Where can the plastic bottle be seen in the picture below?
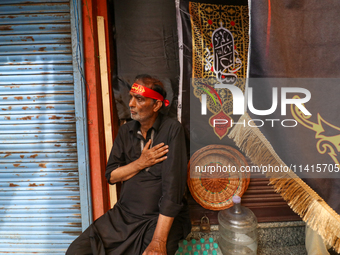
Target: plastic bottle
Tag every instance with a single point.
(198, 248)
(238, 230)
(189, 249)
(202, 241)
(211, 243)
(185, 247)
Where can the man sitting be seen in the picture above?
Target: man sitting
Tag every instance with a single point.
(149, 158)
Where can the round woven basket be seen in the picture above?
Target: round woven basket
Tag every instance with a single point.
(214, 176)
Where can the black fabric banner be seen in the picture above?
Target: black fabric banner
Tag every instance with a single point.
(214, 36)
(146, 43)
(291, 40)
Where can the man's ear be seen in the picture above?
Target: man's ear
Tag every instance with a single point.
(157, 105)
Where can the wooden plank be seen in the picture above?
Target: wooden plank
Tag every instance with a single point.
(105, 98)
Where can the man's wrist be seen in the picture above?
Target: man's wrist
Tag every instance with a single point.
(139, 164)
(159, 240)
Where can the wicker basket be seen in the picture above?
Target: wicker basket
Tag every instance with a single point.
(214, 191)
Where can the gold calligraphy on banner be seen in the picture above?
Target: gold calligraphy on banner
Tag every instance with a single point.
(220, 42)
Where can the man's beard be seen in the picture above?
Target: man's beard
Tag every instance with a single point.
(135, 116)
(139, 118)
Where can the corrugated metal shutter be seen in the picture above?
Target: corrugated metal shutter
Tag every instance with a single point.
(39, 179)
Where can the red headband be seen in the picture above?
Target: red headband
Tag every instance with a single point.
(146, 92)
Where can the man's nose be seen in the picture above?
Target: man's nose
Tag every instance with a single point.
(132, 102)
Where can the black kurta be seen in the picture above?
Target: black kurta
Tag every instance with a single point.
(129, 226)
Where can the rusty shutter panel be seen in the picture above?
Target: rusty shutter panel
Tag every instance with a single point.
(40, 209)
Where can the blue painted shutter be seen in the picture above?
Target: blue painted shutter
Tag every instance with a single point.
(40, 210)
